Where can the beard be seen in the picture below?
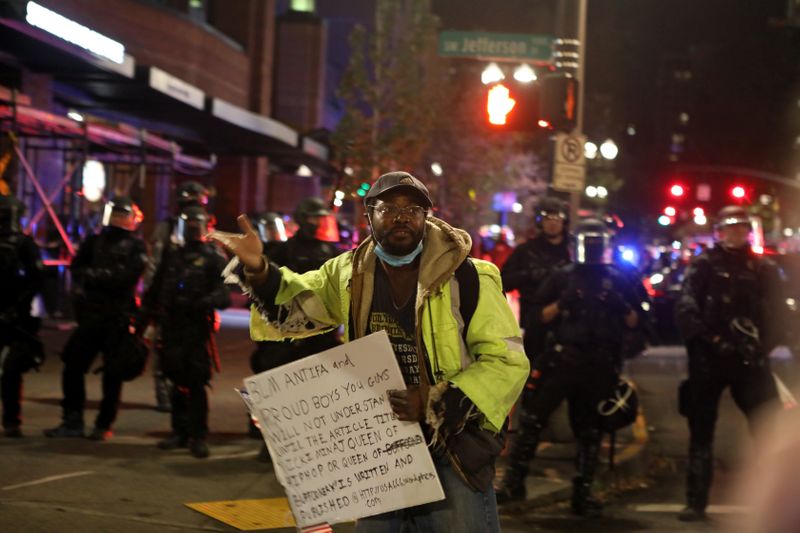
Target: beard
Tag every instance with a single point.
(401, 241)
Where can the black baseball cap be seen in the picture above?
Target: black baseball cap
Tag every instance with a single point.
(397, 180)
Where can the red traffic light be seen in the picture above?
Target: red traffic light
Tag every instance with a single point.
(677, 190)
(738, 192)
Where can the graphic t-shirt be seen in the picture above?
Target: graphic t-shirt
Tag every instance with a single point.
(398, 322)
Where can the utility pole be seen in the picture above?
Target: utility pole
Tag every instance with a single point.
(569, 53)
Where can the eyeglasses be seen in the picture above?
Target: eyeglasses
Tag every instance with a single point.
(392, 211)
(553, 215)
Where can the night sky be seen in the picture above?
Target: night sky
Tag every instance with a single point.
(742, 98)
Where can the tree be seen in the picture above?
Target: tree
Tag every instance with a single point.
(391, 91)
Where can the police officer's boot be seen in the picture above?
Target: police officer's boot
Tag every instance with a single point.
(583, 504)
(71, 426)
(522, 450)
(698, 484)
(163, 393)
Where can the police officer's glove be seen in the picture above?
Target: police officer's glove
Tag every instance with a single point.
(614, 302)
(724, 348)
(570, 298)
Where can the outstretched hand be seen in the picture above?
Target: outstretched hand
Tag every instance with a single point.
(246, 246)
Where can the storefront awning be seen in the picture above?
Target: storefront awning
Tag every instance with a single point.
(155, 100)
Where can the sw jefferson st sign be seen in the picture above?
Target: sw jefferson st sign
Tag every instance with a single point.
(500, 46)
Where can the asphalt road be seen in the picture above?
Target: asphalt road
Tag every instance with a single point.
(127, 485)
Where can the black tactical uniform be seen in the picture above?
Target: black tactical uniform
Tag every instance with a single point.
(531, 263)
(189, 288)
(187, 194)
(301, 253)
(105, 274)
(582, 360)
(729, 314)
(21, 277)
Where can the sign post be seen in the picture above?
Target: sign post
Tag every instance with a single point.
(569, 167)
(338, 449)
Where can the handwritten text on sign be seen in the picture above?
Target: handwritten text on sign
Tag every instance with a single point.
(339, 451)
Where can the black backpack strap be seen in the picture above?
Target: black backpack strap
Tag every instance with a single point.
(468, 290)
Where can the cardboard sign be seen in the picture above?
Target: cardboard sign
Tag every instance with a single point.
(338, 449)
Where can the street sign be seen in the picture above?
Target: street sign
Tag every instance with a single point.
(569, 165)
(498, 46)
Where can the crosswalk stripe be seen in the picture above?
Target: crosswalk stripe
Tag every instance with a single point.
(677, 507)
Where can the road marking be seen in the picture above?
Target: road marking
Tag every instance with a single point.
(47, 480)
(38, 506)
(677, 507)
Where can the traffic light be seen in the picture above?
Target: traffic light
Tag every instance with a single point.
(558, 104)
(677, 190)
(738, 193)
(512, 106)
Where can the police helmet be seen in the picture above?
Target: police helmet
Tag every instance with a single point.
(192, 225)
(120, 212)
(307, 208)
(732, 215)
(10, 213)
(592, 242)
(550, 206)
(270, 227)
(191, 193)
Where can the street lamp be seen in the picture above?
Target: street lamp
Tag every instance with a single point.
(524, 74)
(492, 74)
(590, 150)
(609, 150)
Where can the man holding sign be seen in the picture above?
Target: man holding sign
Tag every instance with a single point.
(460, 385)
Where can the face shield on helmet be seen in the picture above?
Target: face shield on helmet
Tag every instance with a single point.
(734, 227)
(192, 226)
(593, 243)
(120, 213)
(271, 228)
(10, 212)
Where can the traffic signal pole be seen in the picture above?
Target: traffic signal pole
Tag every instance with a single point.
(569, 56)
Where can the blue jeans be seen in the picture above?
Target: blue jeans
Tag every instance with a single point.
(463, 510)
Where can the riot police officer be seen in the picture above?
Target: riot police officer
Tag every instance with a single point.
(105, 273)
(187, 288)
(592, 306)
(303, 252)
(729, 315)
(525, 270)
(533, 261)
(21, 277)
(187, 194)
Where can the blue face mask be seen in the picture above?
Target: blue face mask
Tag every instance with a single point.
(397, 260)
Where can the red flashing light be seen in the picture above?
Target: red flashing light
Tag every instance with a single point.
(677, 190)
(738, 192)
(699, 212)
(670, 211)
